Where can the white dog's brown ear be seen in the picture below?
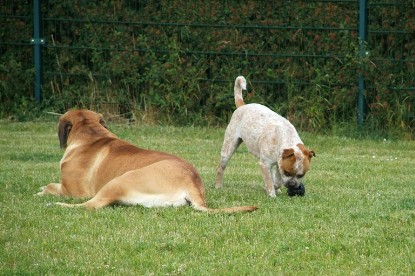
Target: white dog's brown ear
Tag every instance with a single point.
(287, 153)
(309, 153)
(306, 152)
(63, 132)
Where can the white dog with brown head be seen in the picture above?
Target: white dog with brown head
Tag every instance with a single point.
(283, 158)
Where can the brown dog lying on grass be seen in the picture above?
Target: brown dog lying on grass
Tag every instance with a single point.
(98, 164)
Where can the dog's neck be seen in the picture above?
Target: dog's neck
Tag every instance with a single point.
(91, 133)
(290, 139)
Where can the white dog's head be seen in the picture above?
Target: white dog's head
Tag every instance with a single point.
(294, 164)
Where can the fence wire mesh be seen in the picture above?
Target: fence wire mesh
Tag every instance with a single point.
(134, 55)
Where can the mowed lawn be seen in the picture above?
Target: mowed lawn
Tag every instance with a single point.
(357, 217)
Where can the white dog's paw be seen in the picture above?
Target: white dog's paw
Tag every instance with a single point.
(278, 191)
(272, 193)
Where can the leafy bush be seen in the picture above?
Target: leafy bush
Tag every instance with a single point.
(175, 61)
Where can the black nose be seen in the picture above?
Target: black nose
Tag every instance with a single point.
(292, 184)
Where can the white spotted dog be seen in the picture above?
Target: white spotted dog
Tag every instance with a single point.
(283, 158)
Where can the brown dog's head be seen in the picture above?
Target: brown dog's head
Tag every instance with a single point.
(294, 164)
(76, 119)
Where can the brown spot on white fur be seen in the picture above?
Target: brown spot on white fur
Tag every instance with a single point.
(296, 162)
(306, 152)
(288, 161)
(287, 153)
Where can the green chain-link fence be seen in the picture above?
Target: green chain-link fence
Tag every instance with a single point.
(180, 58)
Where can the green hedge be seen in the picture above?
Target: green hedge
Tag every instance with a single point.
(175, 61)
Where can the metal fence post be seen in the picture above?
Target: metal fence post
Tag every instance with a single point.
(37, 41)
(362, 53)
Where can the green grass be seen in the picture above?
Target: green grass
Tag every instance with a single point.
(358, 215)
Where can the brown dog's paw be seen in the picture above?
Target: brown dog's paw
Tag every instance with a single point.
(42, 191)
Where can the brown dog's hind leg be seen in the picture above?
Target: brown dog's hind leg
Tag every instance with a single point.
(52, 189)
(110, 193)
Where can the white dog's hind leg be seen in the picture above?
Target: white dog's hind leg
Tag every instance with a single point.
(228, 148)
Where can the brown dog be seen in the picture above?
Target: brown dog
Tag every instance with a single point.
(97, 164)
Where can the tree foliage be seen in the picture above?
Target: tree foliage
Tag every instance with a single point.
(176, 61)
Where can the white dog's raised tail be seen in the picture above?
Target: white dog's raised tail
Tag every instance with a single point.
(240, 84)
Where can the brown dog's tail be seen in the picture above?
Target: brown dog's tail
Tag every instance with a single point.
(227, 210)
(240, 84)
(90, 205)
(199, 203)
(196, 207)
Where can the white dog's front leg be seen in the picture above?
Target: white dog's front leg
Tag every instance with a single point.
(276, 179)
(219, 174)
(267, 176)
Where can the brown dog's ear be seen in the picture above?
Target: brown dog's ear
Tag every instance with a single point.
(311, 154)
(102, 121)
(63, 132)
(287, 153)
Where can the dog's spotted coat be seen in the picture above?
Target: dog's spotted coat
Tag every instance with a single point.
(283, 158)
